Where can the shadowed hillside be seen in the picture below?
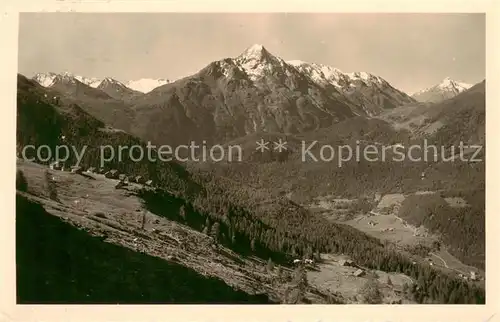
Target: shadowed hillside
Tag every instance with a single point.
(59, 264)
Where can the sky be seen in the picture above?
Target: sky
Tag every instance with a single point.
(410, 51)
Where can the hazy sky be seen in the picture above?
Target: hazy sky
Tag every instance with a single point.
(411, 51)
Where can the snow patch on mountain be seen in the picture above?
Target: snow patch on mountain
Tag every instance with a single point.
(146, 85)
(45, 79)
(48, 79)
(111, 81)
(327, 75)
(257, 62)
(449, 84)
(92, 81)
(447, 88)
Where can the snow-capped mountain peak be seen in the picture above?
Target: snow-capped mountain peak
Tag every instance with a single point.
(146, 85)
(110, 81)
(447, 88)
(324, 75)
(320, 74)
(450, 84)
(143, 85)
(45, 79)
(90, 81)
(48, 79)
(256, 61)
(255, 51)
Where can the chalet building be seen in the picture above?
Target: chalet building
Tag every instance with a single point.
(149, 183)
(91, 170)
(101, 171)
(346, 262)
(122, 177)
(56, 165)
(121, 184)
(76, 169)
(140, 179)
(112, 174)
(359, 273)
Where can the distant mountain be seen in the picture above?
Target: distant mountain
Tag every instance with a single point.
(460, 118)
(69, 84)
(47, 79)
(448, 88)
(258, 92)
(116, 89)
(106, 102)
(92, 82)
(146, 85)
(143, 85)
(372, 94)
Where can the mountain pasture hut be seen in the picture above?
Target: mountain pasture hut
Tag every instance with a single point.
(140, 179)
(121, 184)
(56, 165)
(112, 174)
(346, 262)
(76, 169)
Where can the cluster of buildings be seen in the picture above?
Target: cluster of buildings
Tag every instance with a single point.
(305, 261)
(110, 174)
(473, 276)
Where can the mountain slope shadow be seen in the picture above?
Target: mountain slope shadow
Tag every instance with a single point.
(59, 264)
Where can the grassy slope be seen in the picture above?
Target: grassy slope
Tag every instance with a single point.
(57, 263)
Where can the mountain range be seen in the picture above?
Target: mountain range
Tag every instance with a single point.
(448, 88)
(143, 85)
(232, 97)
(367, 94)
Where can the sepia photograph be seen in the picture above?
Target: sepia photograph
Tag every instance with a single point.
(250, 158)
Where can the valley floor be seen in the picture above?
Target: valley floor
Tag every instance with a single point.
(382, 223)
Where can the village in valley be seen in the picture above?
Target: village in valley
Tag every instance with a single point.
(124, 179)
(383, 223)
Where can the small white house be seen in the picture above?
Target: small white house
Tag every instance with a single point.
(346, 262)
(54, 165)
(76, 169)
